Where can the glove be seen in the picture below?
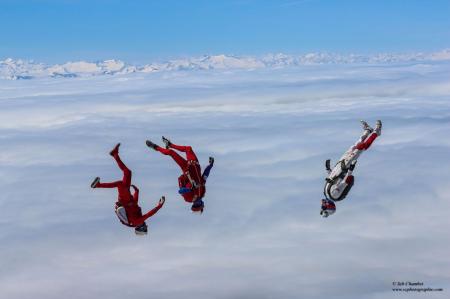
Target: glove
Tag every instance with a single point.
(352, 166)
(327, 165)
(211, 160)
(162, 200)
(135, 188)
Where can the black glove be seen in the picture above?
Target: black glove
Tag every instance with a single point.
(352, 166)
(327, 165)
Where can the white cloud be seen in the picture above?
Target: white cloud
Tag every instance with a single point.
(261, 235)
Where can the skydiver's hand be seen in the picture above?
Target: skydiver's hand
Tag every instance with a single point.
(353, 165)
(135, 188)
(211, 160)
(327, 165)
(162, 200)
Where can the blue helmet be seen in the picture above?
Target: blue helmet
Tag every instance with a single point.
(198, 205)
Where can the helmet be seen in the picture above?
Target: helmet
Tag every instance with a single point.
(328, 207)
(141, 230)
(198, 205)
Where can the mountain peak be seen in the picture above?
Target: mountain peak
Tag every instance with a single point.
(21, 69)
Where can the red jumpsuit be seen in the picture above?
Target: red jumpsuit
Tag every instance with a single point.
(191, 177)
(125, 199)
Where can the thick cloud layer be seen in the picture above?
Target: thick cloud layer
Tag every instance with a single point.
(261, 235)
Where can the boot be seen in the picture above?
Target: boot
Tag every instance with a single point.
(115, 150)
(378, 127)
(166, 142)
(366, 126)
(151, 144)
(95, 182)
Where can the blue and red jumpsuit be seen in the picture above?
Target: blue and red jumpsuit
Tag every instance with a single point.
(191, 178)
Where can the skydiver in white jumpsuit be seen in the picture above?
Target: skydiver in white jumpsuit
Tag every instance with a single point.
(340, 179)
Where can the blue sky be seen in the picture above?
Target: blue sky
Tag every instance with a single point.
(138, 31)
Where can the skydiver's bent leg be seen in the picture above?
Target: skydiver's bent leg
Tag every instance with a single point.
(177, 158)
(122, 189)
(116, 184)
(126, 171)
(190, 155)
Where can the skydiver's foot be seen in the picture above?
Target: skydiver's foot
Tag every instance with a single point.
(151, 145)
(115, 150)
(378, 127)
(95, 182)
(166, 142)
(366, 126)
(211, 160)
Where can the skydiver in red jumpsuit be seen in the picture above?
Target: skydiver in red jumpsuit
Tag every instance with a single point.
(127, 208)
(192, 181)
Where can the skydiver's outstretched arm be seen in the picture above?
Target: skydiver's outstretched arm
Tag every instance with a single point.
(205, 174)
(150, 213)
(327, 166)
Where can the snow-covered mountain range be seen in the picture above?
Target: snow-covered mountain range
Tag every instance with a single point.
(21, 69)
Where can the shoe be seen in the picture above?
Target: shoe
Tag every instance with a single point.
(166, 142)
(115, 150)
(151, 144)
(378, 127)
(95, 182)
(366, 126)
